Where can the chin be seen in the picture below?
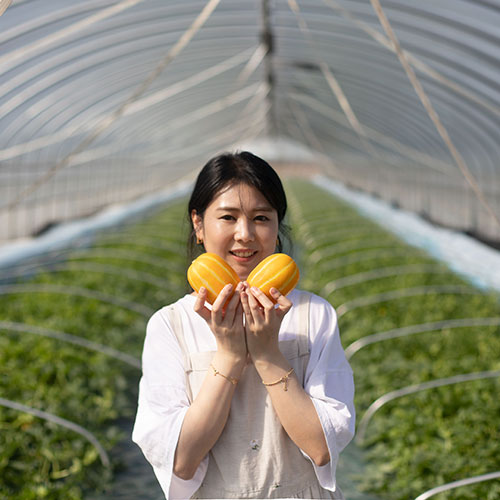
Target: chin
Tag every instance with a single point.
(243, 275)
(242, 271)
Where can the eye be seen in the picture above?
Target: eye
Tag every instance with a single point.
(226, 217)
(261, 218)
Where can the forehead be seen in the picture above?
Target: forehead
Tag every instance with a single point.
(240, 197)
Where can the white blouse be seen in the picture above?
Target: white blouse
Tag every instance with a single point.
(163, 399)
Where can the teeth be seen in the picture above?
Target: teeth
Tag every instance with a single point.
(243, 254)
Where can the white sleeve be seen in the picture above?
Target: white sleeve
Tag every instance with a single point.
(163, 403)
(329, 382)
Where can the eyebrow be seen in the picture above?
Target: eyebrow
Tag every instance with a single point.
(263, 208)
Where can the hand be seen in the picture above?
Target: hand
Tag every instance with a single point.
(225, 320)
(263, 320)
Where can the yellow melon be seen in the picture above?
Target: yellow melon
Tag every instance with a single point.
(212, 272)
(278, 270)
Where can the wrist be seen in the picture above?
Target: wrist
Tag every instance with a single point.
(282, 380)
(267, 357)
(229, 363)
(270, 361)
(276, 373)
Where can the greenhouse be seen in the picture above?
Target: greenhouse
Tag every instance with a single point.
(382, 119)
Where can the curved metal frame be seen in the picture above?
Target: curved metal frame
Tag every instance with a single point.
(72, 339)
(412, 46)
(77, 292)
(352, 245)
(315, 243)
(386, 134)
(151, 100)
(50, 417)
(130, 274)
(383, 139)
(417, 63)
(406, 331)
(66, 46)
(401, 293)
(382, 272)
(412, 389)
(389, 136)
(458, 484)
(155, 230)
(75, 254)
(128, 238)
(367, 255)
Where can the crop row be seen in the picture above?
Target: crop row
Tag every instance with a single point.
(72, 325)
(424, 346)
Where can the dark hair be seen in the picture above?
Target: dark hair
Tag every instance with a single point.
(230, 169)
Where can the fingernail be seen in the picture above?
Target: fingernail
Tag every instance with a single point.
(202, 289)
(274, 291)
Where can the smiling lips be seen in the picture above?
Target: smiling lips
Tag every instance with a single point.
(243, 254)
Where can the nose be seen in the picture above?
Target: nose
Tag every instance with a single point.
(244, 230)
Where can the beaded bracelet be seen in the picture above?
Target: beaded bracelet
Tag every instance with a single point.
(233, 380)
(284, 379)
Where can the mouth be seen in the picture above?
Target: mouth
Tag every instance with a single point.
(243, 254)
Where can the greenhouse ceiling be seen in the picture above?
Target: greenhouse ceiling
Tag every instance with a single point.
(103, 101)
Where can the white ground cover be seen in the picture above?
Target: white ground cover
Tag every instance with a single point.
(475, 261)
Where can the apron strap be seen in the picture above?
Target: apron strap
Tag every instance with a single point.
(175, 321)
(303, 333)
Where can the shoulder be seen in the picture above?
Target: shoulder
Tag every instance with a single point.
(318, 306)
(161, 319)
(185, 303)
(178, 322)
(323, 327)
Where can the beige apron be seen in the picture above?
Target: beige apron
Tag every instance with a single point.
(254, 457)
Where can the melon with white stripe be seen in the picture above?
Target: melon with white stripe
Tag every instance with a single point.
(278, 270)
(212, 272)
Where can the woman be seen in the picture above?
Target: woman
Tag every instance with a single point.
(244, 399)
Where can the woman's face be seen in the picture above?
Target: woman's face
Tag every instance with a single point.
(240, 226)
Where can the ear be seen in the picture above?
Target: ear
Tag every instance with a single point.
(197, 224)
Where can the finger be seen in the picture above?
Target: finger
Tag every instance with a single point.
(218, 305)
(232, 304)
(252, 309)
(246, 306)
(238, 315)
(199, 304)
(284, 304)
(254, 299)
(262, 298)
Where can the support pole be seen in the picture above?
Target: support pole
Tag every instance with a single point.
(268, 43)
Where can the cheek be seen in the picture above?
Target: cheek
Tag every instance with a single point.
(269, 235)
(217, 233)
